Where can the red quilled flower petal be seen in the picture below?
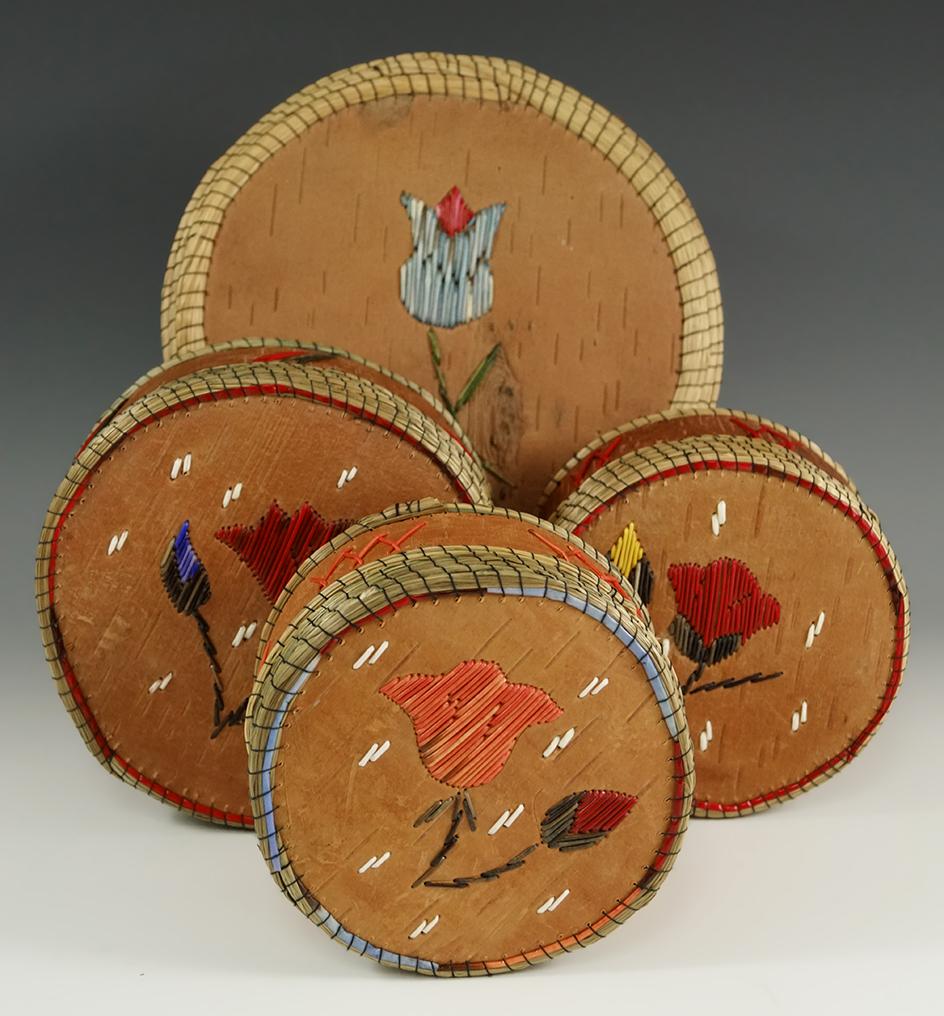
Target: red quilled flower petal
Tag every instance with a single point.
(722, 598)
(453, 213)
(277, 544)
(601, 811)
(585, 818)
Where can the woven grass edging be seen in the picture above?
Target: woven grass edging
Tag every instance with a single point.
(680, 412)
(275, 345)
(352, 75)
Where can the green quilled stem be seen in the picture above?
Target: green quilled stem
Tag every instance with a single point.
(478, 376)
(475, 379)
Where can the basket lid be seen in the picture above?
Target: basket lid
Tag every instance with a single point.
(432, 523)
(674, 425)
(475, 225)
(256, 350)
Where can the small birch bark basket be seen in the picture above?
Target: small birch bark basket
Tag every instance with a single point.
(175, 530)
(474, 224)
(776, 594)
(467, 759)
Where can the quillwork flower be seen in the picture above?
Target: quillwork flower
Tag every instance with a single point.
(468, 719)
(183, 575)
(719, 607)
(629, 556)
(447, 280)
(278, 543)
(187, 585)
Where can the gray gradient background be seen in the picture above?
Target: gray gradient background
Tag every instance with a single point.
(809, 139)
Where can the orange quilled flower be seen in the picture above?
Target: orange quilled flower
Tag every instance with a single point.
(468, 720)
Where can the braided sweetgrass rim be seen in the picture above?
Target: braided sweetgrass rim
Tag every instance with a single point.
(130, 393)
(354, 395)
(659, 462)
(680, 413)
(386, 584)
(478, 79)
(419, 509)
